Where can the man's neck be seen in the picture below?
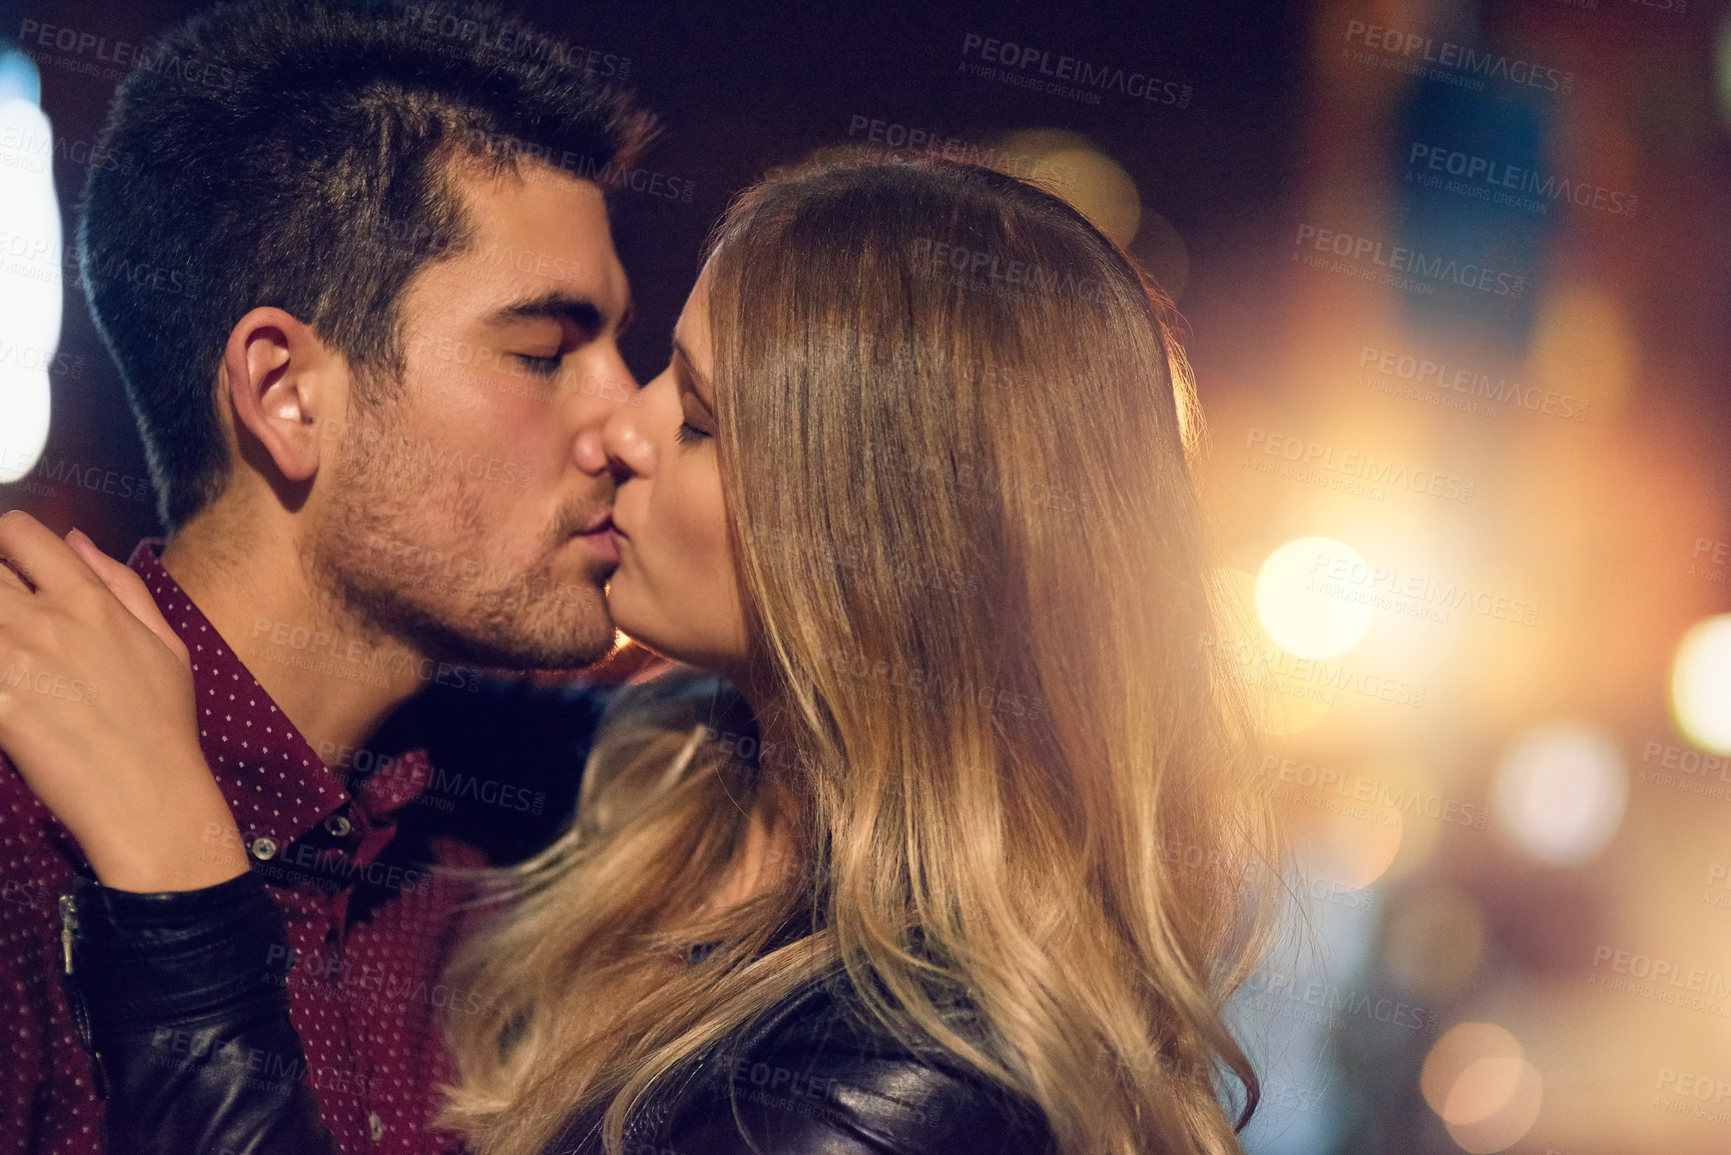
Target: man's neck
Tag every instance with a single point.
(298, 644)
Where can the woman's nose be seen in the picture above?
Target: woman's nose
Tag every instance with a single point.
(627, 450)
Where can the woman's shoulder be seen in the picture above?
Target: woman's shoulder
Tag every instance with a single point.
(818, 1073)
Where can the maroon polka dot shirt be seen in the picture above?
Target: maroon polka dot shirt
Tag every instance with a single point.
(366, 997)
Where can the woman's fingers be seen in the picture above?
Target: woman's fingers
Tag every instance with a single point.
(126, 585)
(97, 714)
(36, 553)
(9, 578)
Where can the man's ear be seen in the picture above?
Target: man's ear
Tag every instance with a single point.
(282, 383)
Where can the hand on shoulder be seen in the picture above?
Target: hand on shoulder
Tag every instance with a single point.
(97, 713)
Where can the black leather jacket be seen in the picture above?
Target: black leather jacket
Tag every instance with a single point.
(184, 1004)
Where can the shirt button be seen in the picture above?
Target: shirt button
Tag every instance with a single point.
(338, 825)
(263, 848)
(376, 1126)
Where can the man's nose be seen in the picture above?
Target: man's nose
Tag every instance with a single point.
(588, 452)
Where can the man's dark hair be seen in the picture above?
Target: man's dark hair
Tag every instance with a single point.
(299, 154)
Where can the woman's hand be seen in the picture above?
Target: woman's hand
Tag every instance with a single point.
(97, 713)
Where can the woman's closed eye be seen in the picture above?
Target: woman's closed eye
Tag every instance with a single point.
(697, 418)
(697, 422)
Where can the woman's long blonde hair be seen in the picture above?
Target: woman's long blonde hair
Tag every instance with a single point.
(953, 443)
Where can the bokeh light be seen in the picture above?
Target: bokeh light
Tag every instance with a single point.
(1478, 1081)
(1279, 702)
(1559, 794)
(1292, 605)
(1342, 851)
(1498, 1101)
(1482, 1089)
(1435, 941)
(1162, 250)
(1459, 1048)
(30, 285)
(1102, 191)
(1701, 684)
(1723, 69)
(1095, 184)
(1584, 347)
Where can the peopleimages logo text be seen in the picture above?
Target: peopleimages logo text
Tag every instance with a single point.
(1400, 259)
(1496, 176)
(1088, 77)
(1415, 48)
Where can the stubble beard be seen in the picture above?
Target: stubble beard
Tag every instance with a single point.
(410, 558)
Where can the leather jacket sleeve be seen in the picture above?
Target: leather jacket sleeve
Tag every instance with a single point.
(181, 998)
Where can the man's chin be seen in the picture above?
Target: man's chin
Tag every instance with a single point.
(526, 654)
(511, 633)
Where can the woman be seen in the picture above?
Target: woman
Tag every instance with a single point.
(915, 484)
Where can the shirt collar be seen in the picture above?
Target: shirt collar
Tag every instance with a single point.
(274, 782)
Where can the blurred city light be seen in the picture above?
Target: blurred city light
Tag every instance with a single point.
(1161, 249)
(1345, 852)
(1479, 1083)
(30, 282)
(1723, 69)
(1459, 1048)
(1434, 942)
(1292, 606)
(1701, 684)
(1583, 347)
(1559, 793)
(1100, 189)
(1493, 1104)
(1095, 184)
(1280, 705)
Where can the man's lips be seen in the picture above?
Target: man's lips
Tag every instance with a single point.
(600, 538)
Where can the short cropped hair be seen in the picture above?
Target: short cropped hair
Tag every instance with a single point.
(301, 154)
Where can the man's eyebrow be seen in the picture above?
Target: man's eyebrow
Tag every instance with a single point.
(556, 306)
(697, 378)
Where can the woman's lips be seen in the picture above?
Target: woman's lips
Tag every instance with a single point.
(600, 540)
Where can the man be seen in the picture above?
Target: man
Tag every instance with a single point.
(366, 306)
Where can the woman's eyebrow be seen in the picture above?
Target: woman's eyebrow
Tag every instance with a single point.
(704, 392)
